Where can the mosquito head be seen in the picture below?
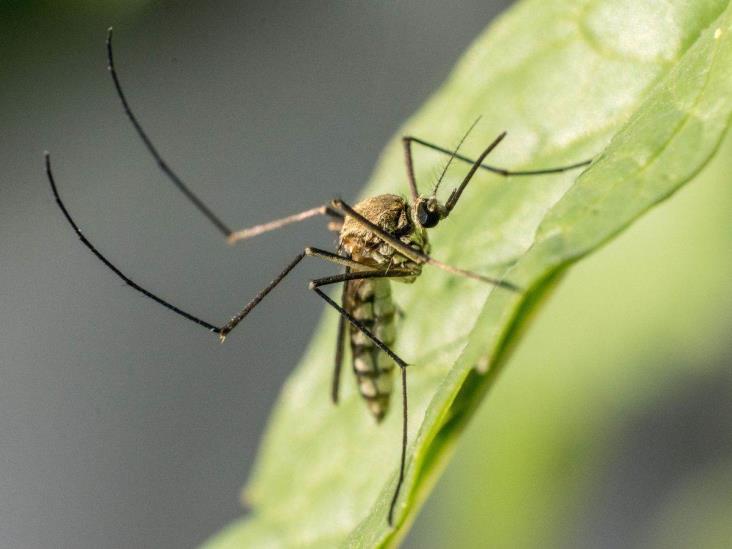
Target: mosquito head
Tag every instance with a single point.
(429, 211)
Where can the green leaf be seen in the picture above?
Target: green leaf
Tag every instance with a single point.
(646, 88)
(637, 334)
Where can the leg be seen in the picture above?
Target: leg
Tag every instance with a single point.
(312, 252)
(177, 181)
(243, 234)
(111, 266)
(403, 460)
(232, 236)
(223, 330)
(493, 169)
(416, 255)
(340, 344)
(359, 275)
(345, 277)
(405, 408)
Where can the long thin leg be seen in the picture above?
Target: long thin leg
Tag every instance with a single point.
(309, 251)
(416, 255)
(111, 266)
(177, 181)
(222, 331)
(403, 459)
(405, 407)
(340, 346)
(223, 228)
(244, 234)
(359, 275)
(493, 169)
(360, 326)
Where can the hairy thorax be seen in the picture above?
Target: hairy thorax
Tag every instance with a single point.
(393, 214)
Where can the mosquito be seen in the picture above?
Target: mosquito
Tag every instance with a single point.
(380, 239)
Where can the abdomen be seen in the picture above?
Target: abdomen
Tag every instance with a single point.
(369, 301)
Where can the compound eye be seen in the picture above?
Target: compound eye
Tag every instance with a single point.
(426, 217)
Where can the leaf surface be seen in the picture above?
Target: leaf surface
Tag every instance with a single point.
(644, 87)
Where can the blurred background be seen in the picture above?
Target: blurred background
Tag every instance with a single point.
(122, 425)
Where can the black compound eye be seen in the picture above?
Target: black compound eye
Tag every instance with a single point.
(426, 217)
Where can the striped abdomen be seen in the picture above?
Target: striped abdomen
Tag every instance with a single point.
(369, 301)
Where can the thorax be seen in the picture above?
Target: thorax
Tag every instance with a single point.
(392, 214)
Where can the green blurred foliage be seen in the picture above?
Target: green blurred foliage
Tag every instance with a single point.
(647, 84)
(627, 330)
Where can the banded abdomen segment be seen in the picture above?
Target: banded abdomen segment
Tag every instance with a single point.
(369, 301)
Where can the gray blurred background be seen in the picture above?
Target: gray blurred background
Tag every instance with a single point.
(122, 425)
